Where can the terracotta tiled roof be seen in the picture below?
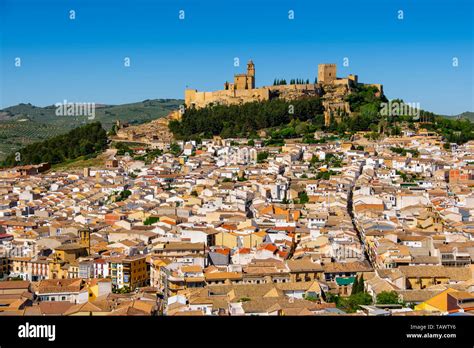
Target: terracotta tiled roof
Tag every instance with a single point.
(14, 284)
(59, 285)
(453, 273)
(338, 267)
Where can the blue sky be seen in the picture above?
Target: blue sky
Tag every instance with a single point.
(82, 60)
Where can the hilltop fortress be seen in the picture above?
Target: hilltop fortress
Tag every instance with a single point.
(328, 86)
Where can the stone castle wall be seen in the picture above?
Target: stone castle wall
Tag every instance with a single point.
(238, 96)
(232, 96)
(296, 91)
(332, 89)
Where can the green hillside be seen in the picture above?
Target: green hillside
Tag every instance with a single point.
(468, 115)
(87, 140)
(25, 124)
(245, 120)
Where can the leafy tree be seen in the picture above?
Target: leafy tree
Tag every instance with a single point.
(242, 178)
(352, 303)
(403, 152)
(388, 297)
(175, 149)
(123, 195)
(113, 130)
(123, 148)
(262, 156)
(312, 298)
(323, 175)
(395, 131)
(303, 197)
(151, 220)
(123, 290)
(364, 95)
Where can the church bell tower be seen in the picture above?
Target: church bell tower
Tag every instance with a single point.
(85, 237)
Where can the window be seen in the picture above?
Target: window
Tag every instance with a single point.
(63, 298)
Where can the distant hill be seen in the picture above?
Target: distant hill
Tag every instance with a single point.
(24, 124)
(87, 140)
(469, 115)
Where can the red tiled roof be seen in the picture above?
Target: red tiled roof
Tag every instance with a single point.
(14, 284)
(223, 251)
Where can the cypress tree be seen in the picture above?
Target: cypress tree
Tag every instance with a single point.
(361, 284)
(355, 286)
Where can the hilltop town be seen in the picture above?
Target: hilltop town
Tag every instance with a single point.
(231, 228)
(327, 86)
(336, 222)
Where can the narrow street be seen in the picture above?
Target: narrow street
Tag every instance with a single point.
(350, 211)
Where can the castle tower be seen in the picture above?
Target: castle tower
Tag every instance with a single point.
(85, 236)
(326, 73)
(250, 68)
(250, 75)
